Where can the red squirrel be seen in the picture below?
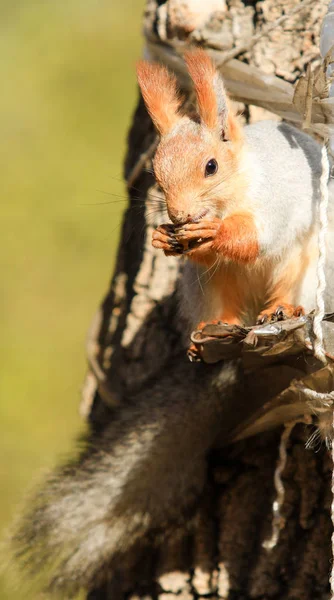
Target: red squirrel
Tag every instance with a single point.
(242, 201)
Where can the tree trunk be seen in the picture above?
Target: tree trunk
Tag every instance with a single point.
(137, 340)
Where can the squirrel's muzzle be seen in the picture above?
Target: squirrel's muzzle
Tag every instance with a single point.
(182, 217)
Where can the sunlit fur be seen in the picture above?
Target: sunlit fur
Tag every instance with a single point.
(261, 250)
(179, 167)
(209, 88)
(159, 91)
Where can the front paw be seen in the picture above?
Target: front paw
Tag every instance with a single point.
(164, 239)
(233, 238)
(197, 238)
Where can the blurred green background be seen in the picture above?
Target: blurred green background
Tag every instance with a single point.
(68, 91)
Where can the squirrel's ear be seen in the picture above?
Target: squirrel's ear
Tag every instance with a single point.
(213, 105)
(159, 90)
(234, 129)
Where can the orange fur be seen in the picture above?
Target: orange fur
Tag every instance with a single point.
(286, 288)
(289, 310)
(234, 238)
(202, 72)
(227, 285)
(233, 296)
(205, 77)
(283, 294)
(234, 129)
(159, 90)
(179, 166)
(237, 238)
(285, 291)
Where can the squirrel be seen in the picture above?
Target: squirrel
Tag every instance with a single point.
(246, 199)
(242, 203)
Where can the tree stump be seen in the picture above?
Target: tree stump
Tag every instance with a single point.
(138, 340)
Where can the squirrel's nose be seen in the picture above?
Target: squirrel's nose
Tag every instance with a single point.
(179, 217)
(182, 217)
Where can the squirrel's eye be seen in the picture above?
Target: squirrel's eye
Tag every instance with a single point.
(211, 167)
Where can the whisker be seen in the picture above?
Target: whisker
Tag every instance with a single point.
(100, 203)
(199, 280)
(200, 277)
(111, 194)
(215, 267)
(138, 203)
(146, 224)
(212, 267)
(227, 176)
(137, 189)
(314, 441)
(155, 211)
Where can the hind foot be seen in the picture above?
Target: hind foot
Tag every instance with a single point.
(192, 351)
(282, 312)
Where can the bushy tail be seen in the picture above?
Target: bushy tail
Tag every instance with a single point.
(75, 523)
(144, 472)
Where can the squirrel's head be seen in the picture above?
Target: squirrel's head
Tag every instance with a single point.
(197, 162)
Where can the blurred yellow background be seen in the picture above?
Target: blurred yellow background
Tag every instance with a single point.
(68, 91)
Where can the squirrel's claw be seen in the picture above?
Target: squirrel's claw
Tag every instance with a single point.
(282, 312)
(163, 240)
(189, 239)
(197, 238)
(199, 235)
(197, 231)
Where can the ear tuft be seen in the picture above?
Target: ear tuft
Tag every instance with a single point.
(209, 88)
(234, 129)
(159, 90)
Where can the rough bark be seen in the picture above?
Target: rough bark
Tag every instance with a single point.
(223, 554)
(137, 337)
